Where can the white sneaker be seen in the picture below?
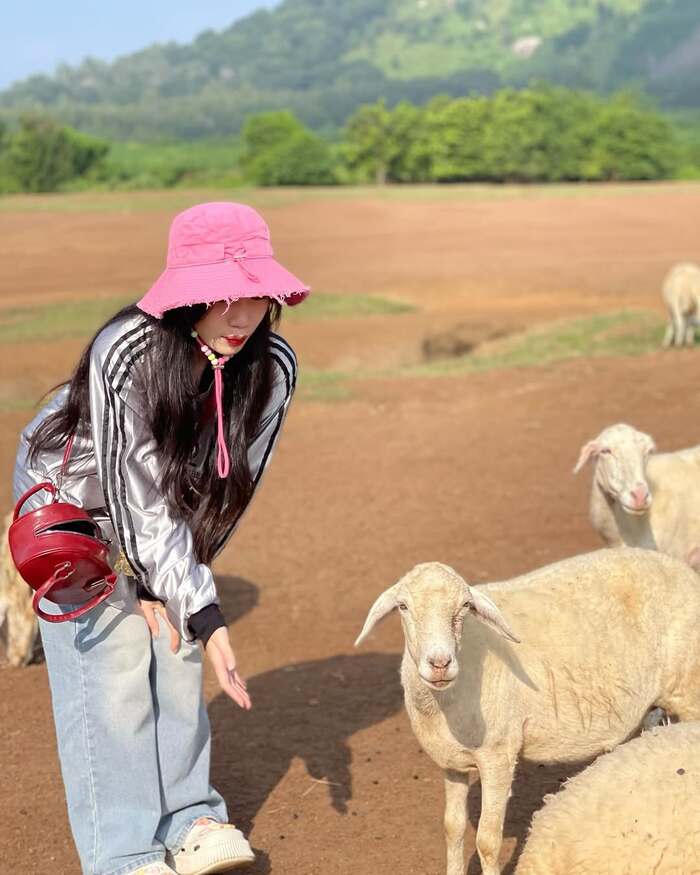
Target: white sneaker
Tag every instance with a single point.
(212, 847)
(154, 869)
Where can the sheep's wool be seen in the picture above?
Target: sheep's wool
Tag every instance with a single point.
(633, 811)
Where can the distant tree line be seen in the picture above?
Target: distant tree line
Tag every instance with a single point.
(323, 59)
(533, 135)
(538, 134)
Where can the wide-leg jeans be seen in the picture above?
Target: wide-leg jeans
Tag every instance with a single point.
(133, 738)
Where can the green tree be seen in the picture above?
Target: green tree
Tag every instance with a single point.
(277, 149)
(630, 142)
(455, 133)
(383, 145)
(263, 132)
(8, 183)
(41, 154)
(303, 159)
(411, 159)
(537, 134)
(370, 144)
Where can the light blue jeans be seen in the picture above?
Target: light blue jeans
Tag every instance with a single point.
(133, 738)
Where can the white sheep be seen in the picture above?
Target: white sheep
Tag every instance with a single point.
(643, 499)
(18, 621)
(605, 636)
(681, 294)
(633, 811)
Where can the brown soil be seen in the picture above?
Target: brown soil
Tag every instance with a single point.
(473, 471)
(511, 262)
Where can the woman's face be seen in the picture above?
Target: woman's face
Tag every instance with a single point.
(225, 328)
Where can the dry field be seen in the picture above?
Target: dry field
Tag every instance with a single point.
(473, 469)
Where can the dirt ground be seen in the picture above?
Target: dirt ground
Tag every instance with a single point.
(472, 471)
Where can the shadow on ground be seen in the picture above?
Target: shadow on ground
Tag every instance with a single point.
(306, 710)
(237, 596)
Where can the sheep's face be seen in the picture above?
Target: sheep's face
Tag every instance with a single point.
(432, 613)
(432, 601)
(621, 454)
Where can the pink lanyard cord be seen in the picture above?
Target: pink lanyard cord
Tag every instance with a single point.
(223, 463)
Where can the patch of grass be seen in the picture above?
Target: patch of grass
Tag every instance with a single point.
(346, 306)
(58, 321)
(66, 319)
(176, 199)
(326, 386)
(320, 386)
(167, 200)
(189, 164)
(26, 393)
(11, 405)
(170, 200)
(625, 333)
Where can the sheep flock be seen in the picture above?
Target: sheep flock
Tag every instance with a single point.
(573, 661)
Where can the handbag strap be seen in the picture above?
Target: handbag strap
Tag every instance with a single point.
(62, 573)
(64, 464)
(47, 484)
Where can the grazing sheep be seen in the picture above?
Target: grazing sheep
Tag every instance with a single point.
(605, 636)
(644, 500)
(633, 811)
(681, 294)
(18, 621)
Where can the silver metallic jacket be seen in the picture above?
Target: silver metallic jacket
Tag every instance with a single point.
(113, 472)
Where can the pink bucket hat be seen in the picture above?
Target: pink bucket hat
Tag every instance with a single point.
(220, 251)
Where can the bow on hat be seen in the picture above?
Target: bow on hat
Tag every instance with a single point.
(239, 255)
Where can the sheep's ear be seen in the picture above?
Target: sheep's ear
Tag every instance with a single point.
(693, 559)
(384, 605)
(588, 451)
(485, 610)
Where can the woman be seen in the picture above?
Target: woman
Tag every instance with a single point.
(167, 454)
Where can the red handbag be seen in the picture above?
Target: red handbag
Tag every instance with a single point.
(60, 552)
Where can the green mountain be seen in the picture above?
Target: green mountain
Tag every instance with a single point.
(321, 58)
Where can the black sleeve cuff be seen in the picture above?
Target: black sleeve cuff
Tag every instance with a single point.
(204, 622)
(145, 594)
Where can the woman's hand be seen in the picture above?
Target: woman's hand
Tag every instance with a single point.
(151, 611)
(223, 661)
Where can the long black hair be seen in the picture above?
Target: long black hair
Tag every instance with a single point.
(210, 504)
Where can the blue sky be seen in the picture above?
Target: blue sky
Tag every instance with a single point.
(39, 34)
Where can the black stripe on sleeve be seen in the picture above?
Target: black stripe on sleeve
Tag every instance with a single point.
(268, 448)
(119, 477)
(124, 345)
(280, 345)
(289, 376)
(123, 354)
